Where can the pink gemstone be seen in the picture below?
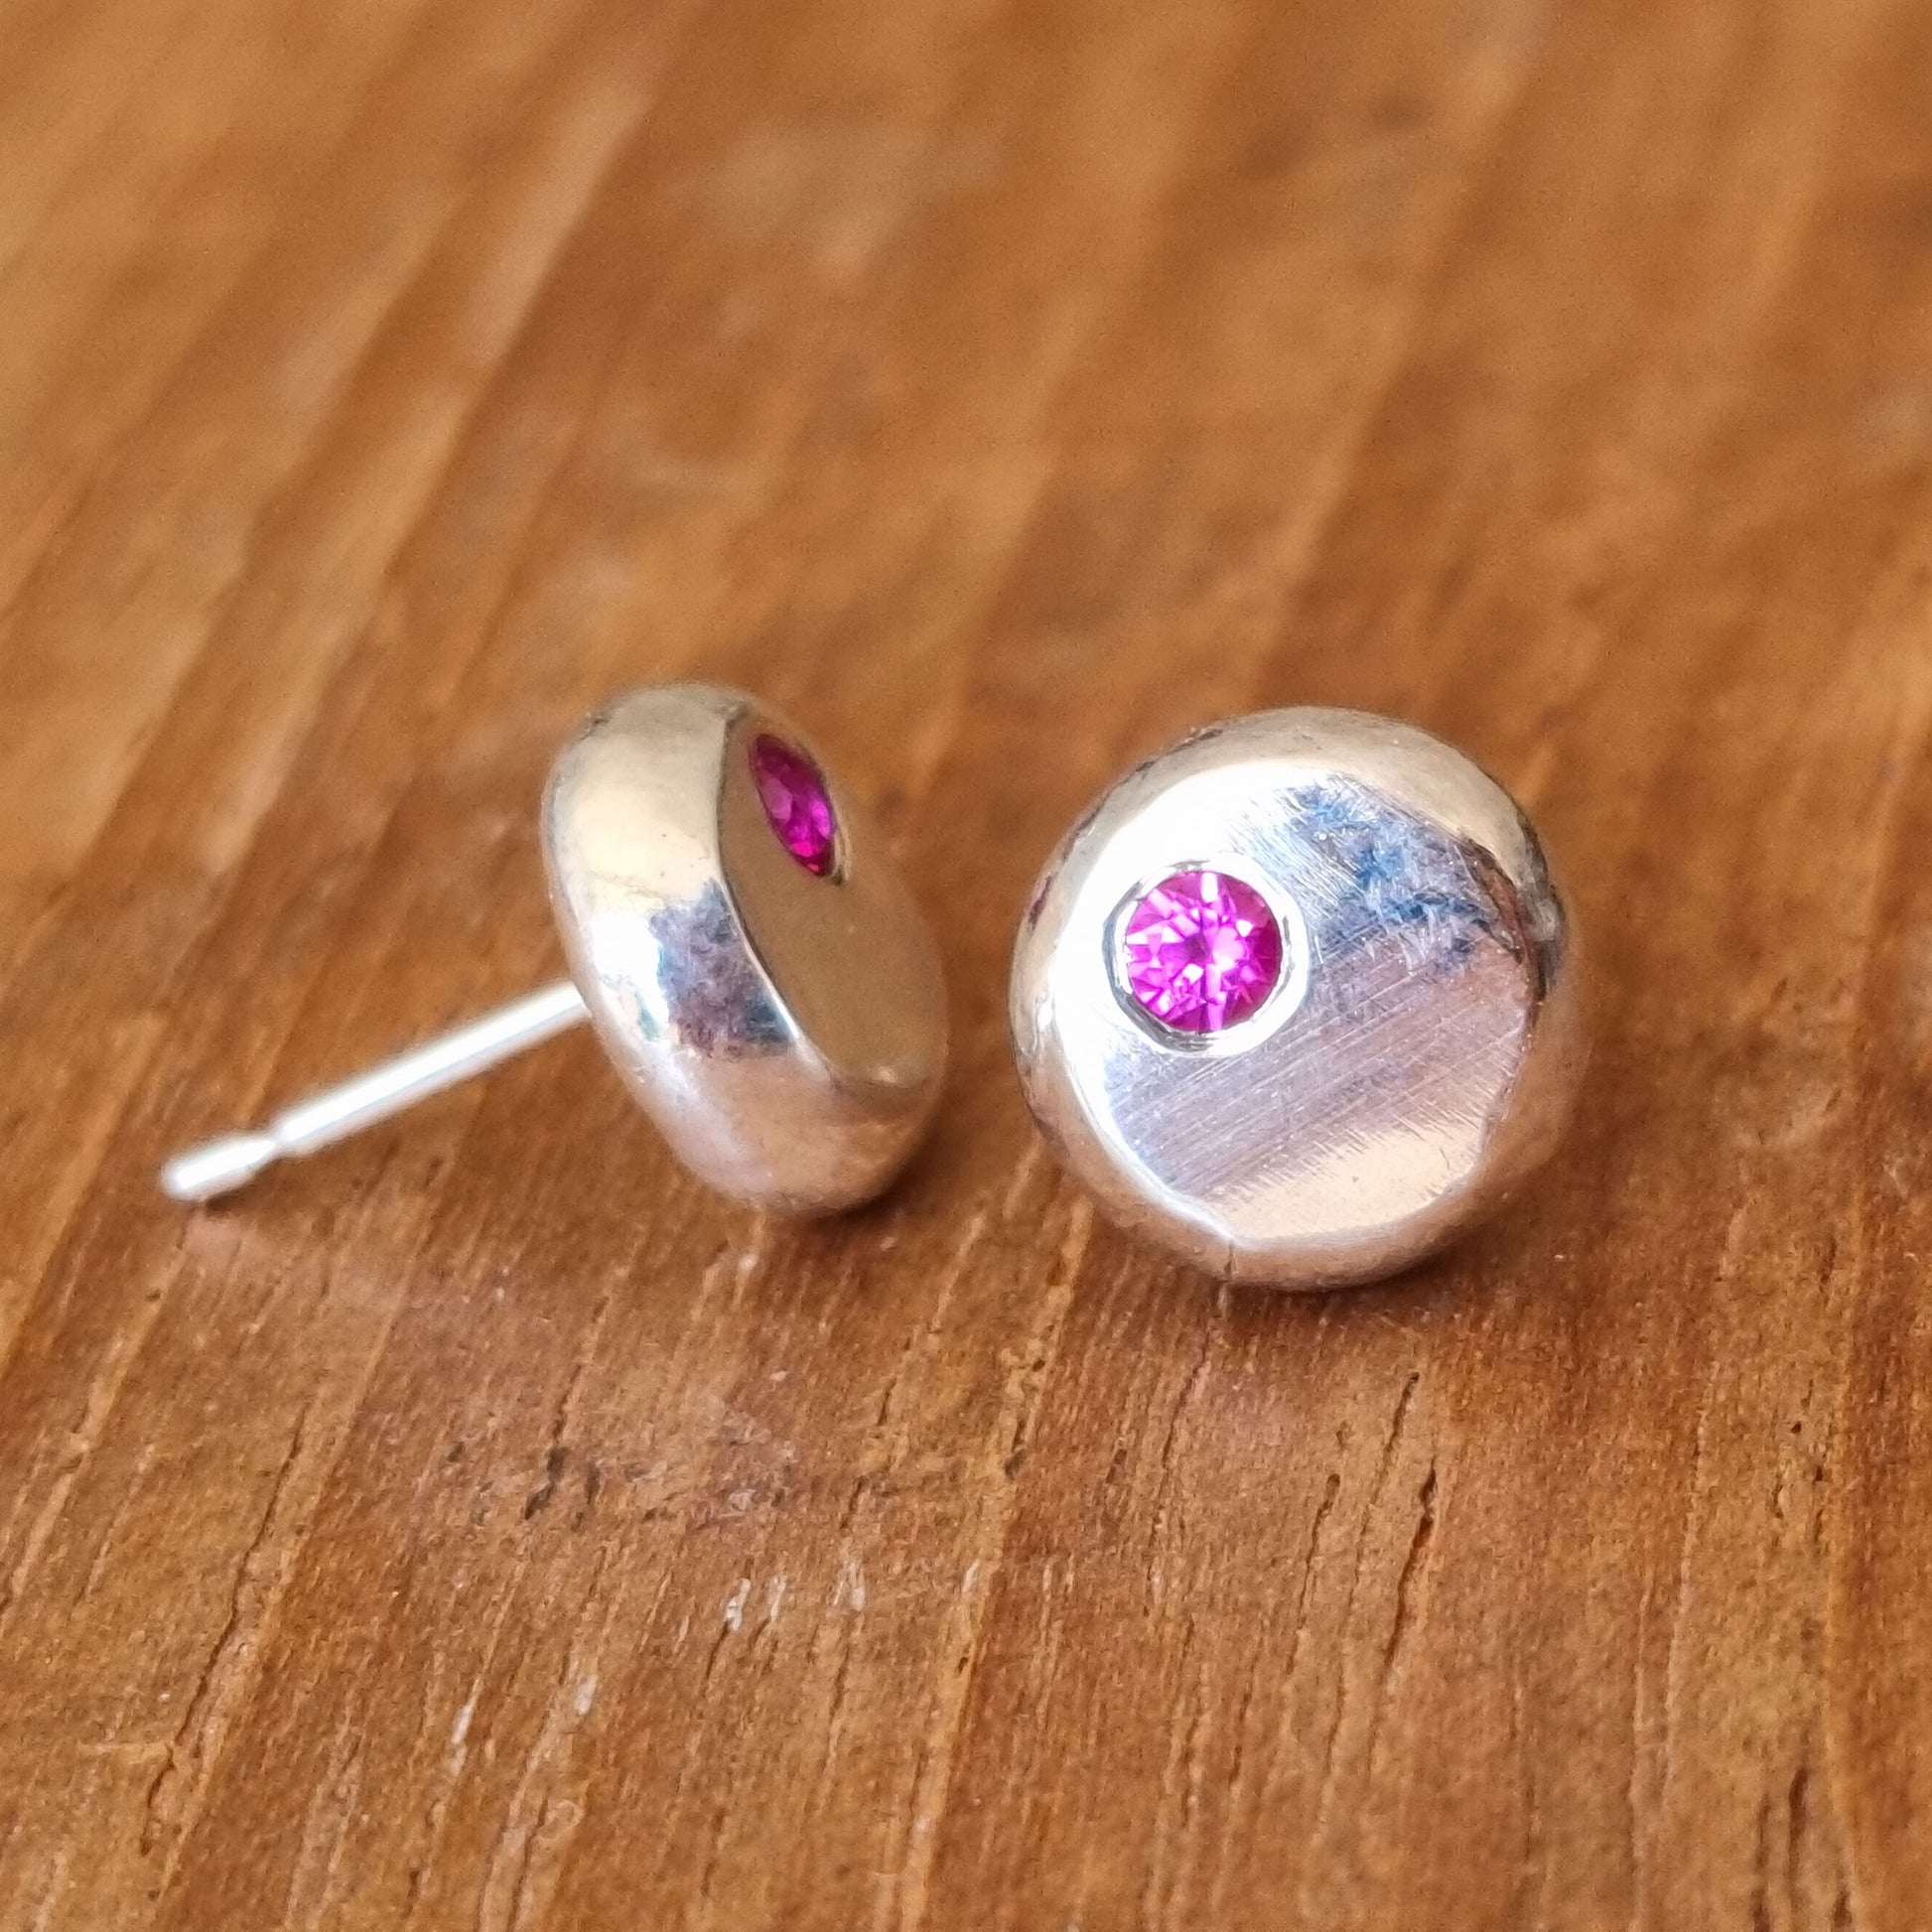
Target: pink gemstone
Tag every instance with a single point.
(1201, 951)
(796, 802)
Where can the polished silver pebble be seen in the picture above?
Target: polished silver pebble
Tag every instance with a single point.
(1298, 998)
(752, 958)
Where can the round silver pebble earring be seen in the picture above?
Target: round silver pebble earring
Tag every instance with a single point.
(740, 937)
(1299, 1000)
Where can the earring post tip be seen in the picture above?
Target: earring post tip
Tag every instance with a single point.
(218, 1167)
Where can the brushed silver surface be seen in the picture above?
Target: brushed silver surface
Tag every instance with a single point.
(787, 1033)
(1420, 1057)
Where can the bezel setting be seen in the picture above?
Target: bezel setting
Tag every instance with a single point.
(1290, 983)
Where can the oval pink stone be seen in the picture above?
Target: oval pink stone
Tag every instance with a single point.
(796, 803)
(1201, 951)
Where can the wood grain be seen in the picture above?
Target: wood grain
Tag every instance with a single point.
(481, 1526)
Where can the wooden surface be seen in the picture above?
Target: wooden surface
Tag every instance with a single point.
(481, 1526)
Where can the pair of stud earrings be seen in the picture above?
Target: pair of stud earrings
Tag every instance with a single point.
(1297, 999)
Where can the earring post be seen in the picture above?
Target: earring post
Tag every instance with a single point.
(232, 1160)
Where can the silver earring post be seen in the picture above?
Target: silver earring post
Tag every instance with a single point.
(232, 1160)
(740, 940)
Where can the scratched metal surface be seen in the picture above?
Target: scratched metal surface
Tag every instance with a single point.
(1419, 1055)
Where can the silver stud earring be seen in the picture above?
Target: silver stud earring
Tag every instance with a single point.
(740, 939)
(1298, 998)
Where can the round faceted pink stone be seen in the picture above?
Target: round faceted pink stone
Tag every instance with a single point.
(796, 803)
(1201, 951)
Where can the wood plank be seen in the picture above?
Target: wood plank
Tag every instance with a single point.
(482, 1525)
